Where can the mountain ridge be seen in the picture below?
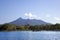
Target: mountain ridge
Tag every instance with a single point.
(21, 21)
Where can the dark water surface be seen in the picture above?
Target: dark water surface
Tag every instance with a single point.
(29, 35)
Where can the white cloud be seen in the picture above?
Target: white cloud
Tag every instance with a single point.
(31, 16)
(26, 14)
(47, 17)
(53, 19)
(57, 18)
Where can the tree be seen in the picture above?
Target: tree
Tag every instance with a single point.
(8, 27)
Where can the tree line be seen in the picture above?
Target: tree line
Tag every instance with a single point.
(11, 27)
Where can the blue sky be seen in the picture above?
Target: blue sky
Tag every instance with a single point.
(46, 10)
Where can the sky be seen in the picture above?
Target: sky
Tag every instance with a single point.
(46, 10)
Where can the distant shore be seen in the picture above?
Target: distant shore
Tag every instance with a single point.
(11, 27)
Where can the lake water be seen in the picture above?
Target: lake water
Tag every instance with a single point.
(29, 35)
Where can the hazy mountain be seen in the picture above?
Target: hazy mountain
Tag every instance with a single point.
(21, 21)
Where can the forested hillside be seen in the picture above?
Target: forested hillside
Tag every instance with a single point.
(11, 27)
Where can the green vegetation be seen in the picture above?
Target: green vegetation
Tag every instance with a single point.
(11, 27)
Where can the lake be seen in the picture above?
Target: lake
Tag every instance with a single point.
(29, 35)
